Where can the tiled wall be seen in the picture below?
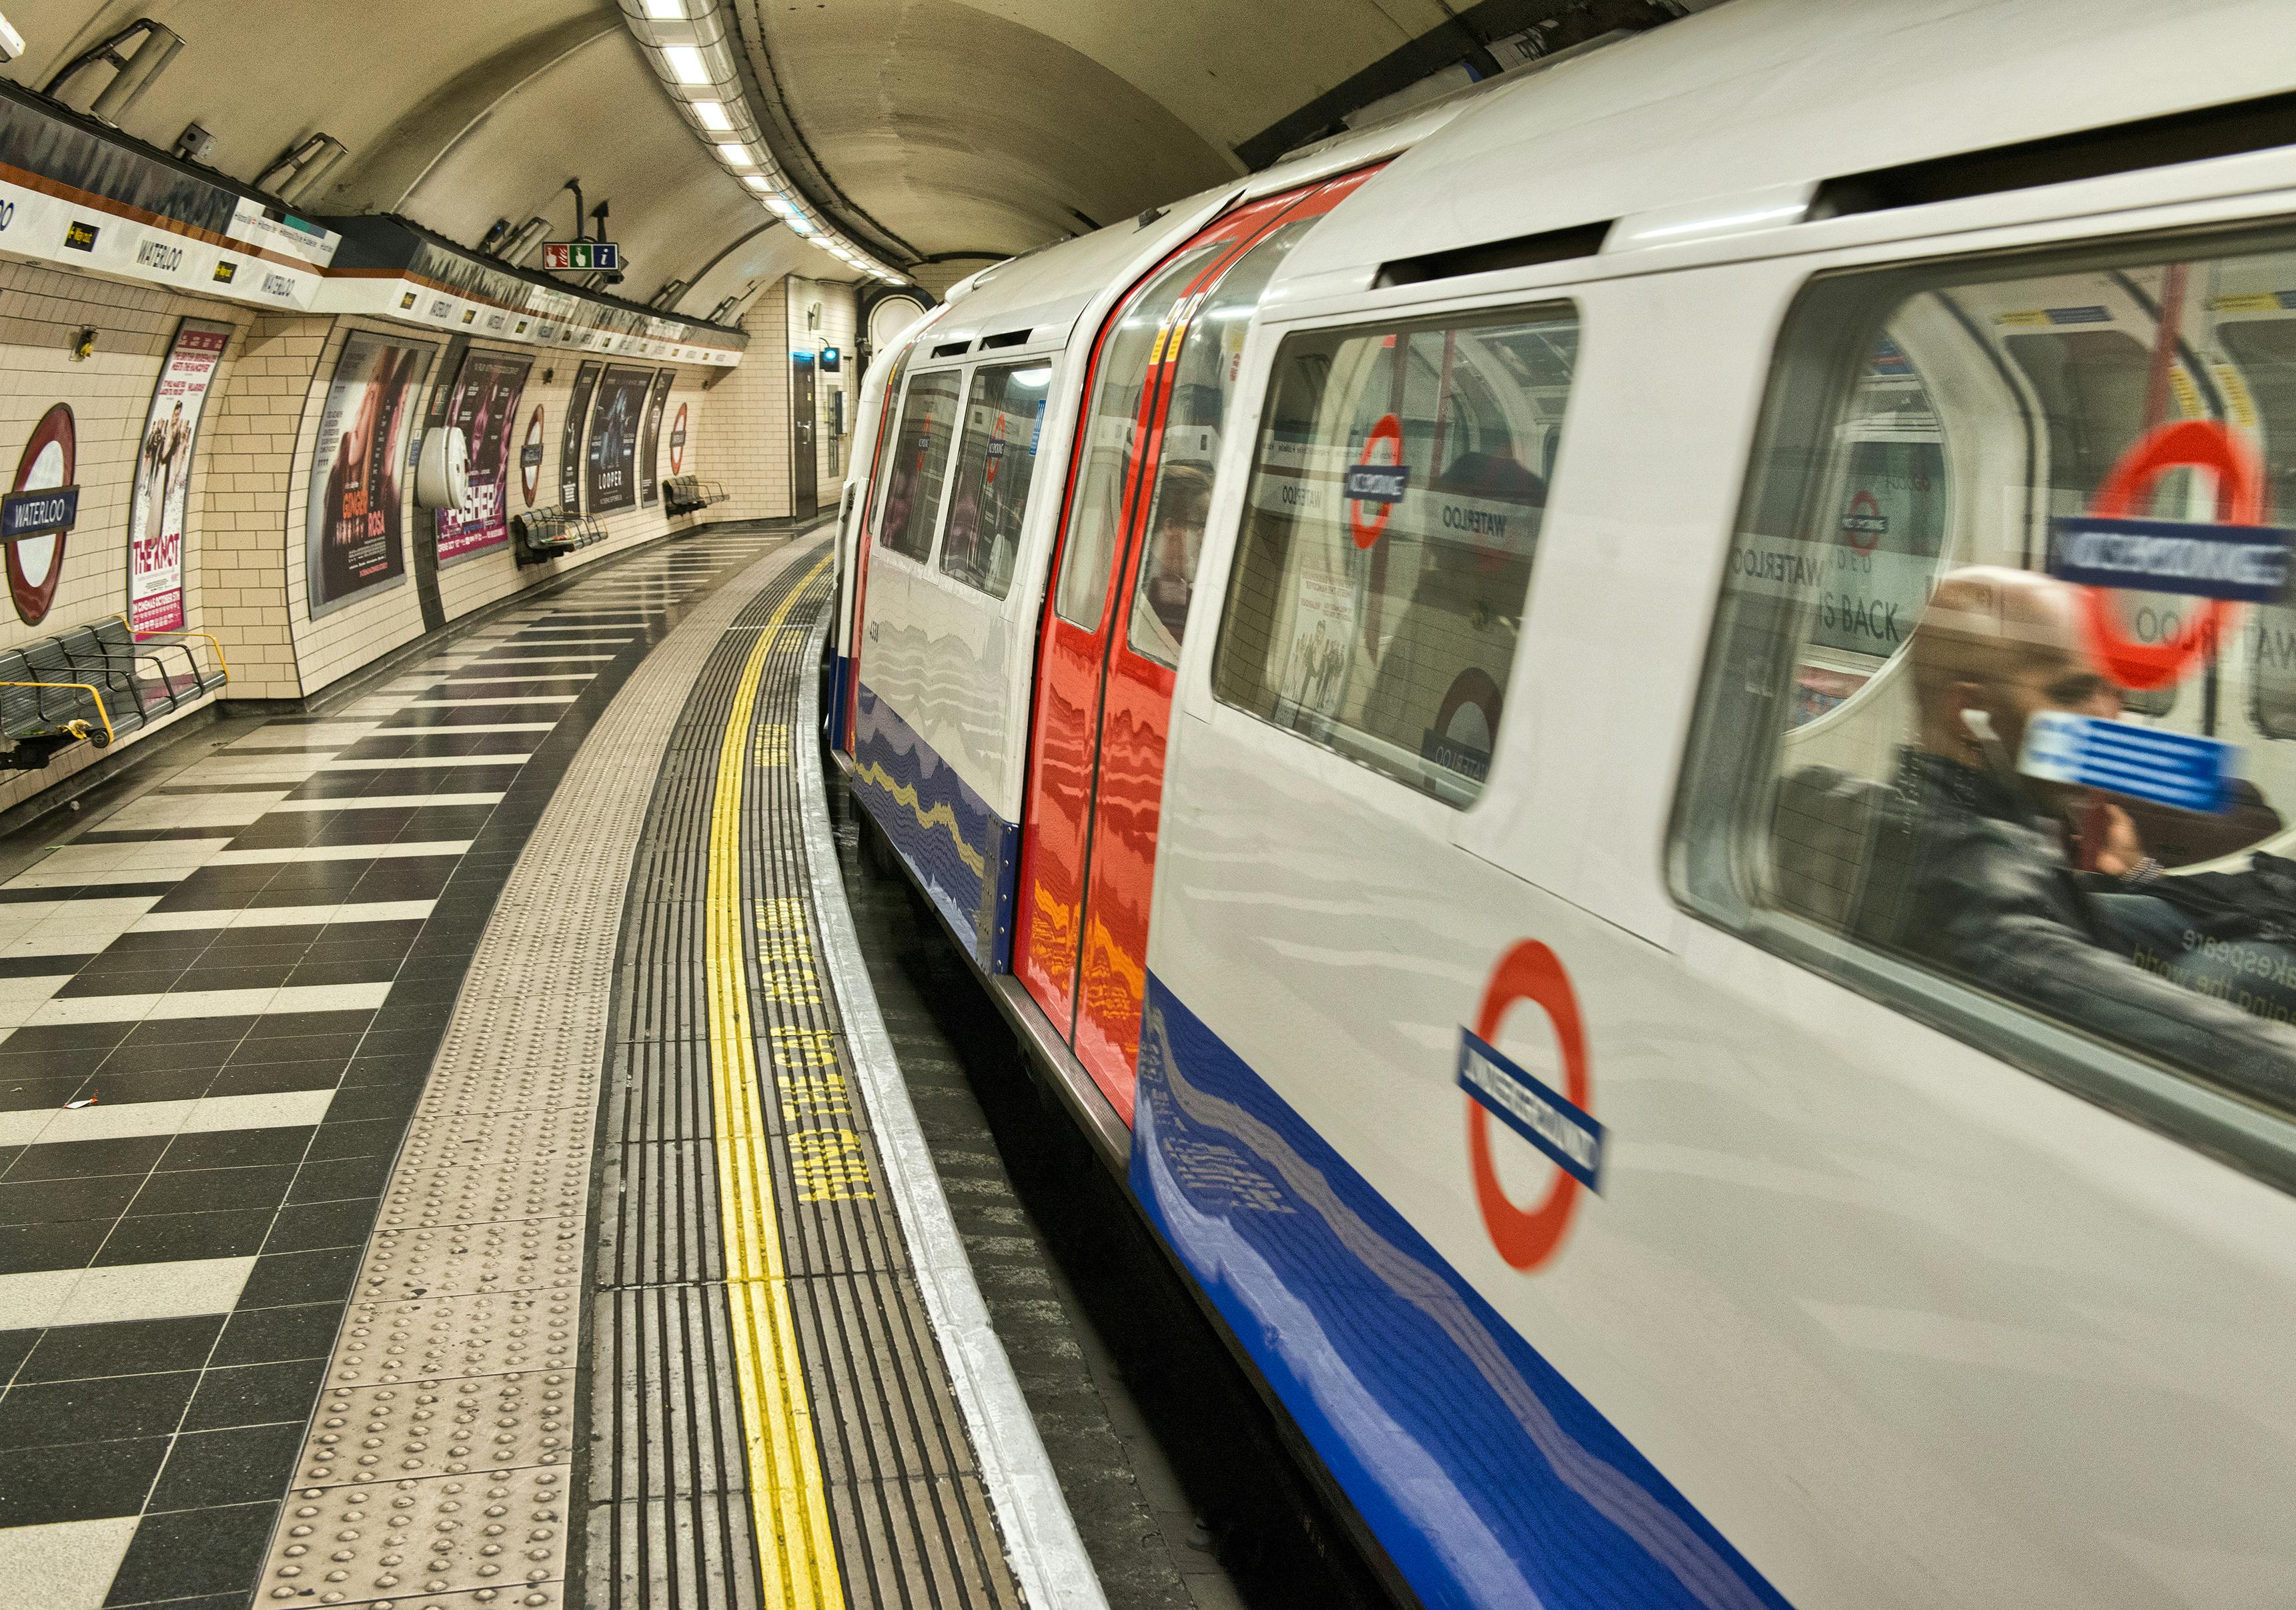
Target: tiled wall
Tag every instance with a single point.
(244, 565)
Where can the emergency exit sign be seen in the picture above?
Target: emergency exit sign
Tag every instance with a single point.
(581, 254)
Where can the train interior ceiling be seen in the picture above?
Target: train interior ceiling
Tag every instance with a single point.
(1175, 806)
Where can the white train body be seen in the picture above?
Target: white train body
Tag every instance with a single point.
(1893, 1288)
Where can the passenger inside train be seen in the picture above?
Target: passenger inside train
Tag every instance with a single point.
(1183, 499)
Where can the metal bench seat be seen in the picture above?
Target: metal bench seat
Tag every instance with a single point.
(95, 684)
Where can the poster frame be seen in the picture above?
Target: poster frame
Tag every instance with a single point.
(314, 493)
(213, 329)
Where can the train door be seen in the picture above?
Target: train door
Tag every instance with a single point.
(871, 514)
(1139, 487)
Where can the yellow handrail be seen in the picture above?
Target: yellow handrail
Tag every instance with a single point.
(77, 728)
(214, 643)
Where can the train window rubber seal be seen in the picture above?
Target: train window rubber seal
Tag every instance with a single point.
(2230, 129)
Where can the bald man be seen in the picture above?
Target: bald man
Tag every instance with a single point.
(1995, 896)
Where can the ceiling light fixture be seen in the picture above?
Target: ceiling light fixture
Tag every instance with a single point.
(689, 43)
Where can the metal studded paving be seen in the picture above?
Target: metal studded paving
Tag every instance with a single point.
(764, 1363)
(437, 1472)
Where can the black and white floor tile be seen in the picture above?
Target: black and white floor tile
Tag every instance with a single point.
(218, 1004)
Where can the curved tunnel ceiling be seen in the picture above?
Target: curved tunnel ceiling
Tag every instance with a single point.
(958, 130)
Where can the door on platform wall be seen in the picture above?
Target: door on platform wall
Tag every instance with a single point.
(805, 463)
(1163, 372)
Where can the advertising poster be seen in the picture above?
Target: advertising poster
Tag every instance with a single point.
(615, 418)
(570, 445)
(649, 439)
(162, 493)
(485, 409)
(355, 538)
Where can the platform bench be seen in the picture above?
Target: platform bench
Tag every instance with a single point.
(687, 494)
(545, 534)
(95, 685)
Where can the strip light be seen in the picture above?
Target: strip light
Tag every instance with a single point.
(690, 46)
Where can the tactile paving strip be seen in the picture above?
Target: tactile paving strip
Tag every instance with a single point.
(909, 1507)
(437, 1472)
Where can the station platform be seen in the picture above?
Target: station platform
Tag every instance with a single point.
(451, 1154)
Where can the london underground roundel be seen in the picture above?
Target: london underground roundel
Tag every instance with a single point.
(678, 442)
(1560, 1123)
(50, 462)
(530, 458)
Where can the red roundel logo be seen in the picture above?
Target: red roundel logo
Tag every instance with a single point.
(1530, 973)
(678, 442)
(1367, 517)
(530, 458)
(2196, 443)
(35, 564)
(1863, 525)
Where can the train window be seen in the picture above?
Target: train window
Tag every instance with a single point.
(1095, 518)
(1201, 385)
(1002, 419)
(2002, 670)
(919, 462)
(1389, 531)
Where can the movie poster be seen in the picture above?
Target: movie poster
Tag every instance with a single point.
(354, 538)
(159, 500)
(650, 440)
(569, 445)
(614, 422)
(485, 409)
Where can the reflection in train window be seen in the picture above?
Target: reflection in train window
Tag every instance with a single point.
(1202, 382)
(1003, 418)
(1095, 518)
(1388, 532)
(2039, 745)
(920, 454)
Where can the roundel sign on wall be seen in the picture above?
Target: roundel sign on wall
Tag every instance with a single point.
(530, 458)
(1560, 1123)
(38, 512)
(678, 442)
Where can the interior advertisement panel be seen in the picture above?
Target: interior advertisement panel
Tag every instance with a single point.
(649, 439)
(569, 444)
(356, 541)
(485, 409)
(160, 495)
(615, 418)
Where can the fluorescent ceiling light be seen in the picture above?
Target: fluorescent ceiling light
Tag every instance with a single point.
(757, 181)
(802, 224)
(686, 62)
(712, 114)
(666, 10)
(738, 155)
(781, 204)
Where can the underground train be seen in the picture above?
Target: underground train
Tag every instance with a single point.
(1632, 739)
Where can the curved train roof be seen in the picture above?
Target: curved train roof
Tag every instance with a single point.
(1775, 93)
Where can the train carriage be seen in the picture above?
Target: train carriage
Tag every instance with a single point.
(1624, 800)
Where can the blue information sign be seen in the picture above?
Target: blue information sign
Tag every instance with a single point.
(36, 514)
(2119, 756)
(2246, 563)
(1533, 1109)
(1377, 483)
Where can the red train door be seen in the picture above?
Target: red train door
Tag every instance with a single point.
(1156, 401)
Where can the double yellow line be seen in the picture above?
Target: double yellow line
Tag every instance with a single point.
(789, 1503)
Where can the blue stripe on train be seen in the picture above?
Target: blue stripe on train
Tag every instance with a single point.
(1487, 1478)
(963, 853)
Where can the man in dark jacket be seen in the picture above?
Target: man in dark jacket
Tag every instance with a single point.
(1995, 894)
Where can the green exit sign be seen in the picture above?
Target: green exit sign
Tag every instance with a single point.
(581, 254)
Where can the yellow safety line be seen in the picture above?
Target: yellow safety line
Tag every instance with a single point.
(789, 1504)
